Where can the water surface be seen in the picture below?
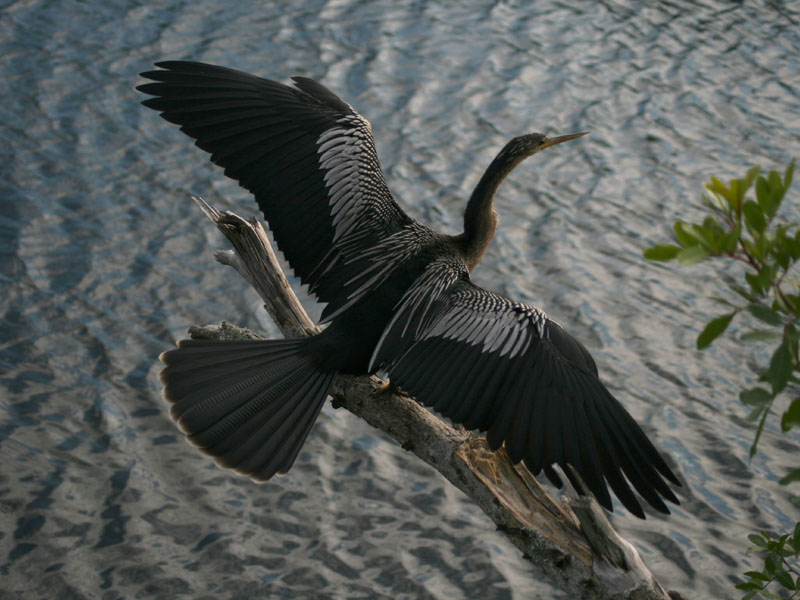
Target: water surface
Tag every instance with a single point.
(105, 262)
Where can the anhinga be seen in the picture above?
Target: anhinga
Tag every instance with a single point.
(398, 296)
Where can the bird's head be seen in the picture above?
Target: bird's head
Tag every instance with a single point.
(523, 146)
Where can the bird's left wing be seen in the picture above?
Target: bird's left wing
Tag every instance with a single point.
(306, 155)
(504, 367)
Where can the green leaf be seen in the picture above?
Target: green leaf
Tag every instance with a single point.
(714, 200)
(731, 239)
(780, 368)
(770, 566)
(713, 330)
(783, 246)
(743, 292)
(737, 192)
(761, 244)
(791, 418)
(796, 246)
(756, 396)
(755, 283)
(787, 175)
(754, 218)
(749, 585)
(790, 477)
(780, 304)
(784, 548)
(792, 337)
(751, 175)
(766, 274)
(662, 252)
(692, 255)
(758, 575)
(765, 197)
(720, 188)
(757, 540)
(796, 538)
(764, 313)
(784, 579)
(783, 256)
(755, 415)
(693, 234)
(753, 249)
(684, 239)
(711, 226)
(702, 233)
(759, 430)
(776, 186)
(761, 335)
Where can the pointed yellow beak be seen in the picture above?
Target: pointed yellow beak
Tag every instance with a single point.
(562, 138)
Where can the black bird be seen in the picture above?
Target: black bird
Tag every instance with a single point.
(399, 300)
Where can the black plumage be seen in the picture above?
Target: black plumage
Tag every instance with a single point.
(398, 296)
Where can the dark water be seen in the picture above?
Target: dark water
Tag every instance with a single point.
(105, 262)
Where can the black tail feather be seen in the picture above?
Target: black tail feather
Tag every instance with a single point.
(250, 404)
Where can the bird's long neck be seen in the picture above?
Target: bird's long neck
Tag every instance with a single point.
(480, 219)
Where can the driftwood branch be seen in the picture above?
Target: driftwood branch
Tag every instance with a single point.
(575, 545)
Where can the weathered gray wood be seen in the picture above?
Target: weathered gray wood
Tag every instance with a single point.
(575, 545)
(253, 258)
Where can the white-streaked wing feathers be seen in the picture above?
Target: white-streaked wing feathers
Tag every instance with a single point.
(358, 195)
(307, 156)
(504, 367)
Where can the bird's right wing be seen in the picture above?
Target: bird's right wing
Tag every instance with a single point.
(505, 368)
(306, 155)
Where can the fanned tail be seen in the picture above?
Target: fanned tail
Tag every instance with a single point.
(249, 404)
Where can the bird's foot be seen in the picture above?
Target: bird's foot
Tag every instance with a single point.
(385, 387)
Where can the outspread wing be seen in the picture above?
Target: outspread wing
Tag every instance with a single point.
(505, 368)
(306, 155)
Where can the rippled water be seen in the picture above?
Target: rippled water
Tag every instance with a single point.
(105, 262)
